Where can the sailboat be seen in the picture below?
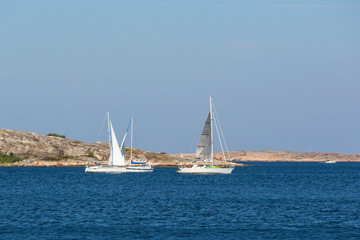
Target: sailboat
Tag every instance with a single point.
(136, 166)
(330, 161)
(204, 152)
(116, 159)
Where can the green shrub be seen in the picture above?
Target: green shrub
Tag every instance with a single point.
(91, 154)
(56, 135)
(8, 158)
(58, 158)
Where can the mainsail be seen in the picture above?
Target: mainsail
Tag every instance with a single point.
(116, 156)
(204, 151)
(204, 147)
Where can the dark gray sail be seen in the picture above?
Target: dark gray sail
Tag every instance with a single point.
(203, 150)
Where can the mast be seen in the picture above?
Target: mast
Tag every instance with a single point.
(109, 135)
(211, 133)
(132, 125)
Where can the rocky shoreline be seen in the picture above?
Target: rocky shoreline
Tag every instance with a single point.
(36, 150)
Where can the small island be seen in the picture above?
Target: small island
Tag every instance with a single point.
(25, 149)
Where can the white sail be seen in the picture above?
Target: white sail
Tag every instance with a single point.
(116, 159)
(116, 156)
(204, 147)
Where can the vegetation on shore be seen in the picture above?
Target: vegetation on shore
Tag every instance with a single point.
(56, 135)
(8, 158)
(91, 154)
(58, 158)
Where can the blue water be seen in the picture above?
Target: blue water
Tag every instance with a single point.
(268, 201)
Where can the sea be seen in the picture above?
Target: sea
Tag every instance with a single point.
(278, 200)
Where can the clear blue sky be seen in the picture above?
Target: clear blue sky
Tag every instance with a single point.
(285, 75)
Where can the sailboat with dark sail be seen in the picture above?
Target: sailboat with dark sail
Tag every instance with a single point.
(204, 156)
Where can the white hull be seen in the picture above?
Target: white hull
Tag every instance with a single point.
(117, 169)
(105, 169)
(140, 169)
(205, 170)
(330, 161)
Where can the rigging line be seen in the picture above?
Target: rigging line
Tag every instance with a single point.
(101, 129)
(127, 130)
(132, 134)
(217, 130)
(222, 134)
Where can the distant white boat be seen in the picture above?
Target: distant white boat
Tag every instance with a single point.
(330, 161)
(204, 152)
(116, 159)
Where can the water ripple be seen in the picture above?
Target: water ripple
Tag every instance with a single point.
(270, 201)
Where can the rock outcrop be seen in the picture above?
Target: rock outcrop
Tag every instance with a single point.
(40, 150)
(286, 156)
(281, 156)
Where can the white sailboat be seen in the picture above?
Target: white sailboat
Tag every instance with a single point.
(116, 159)
(330, 161)
(136, 166)
(204, 152)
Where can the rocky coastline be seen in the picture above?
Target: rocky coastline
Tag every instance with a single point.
(36, 150)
